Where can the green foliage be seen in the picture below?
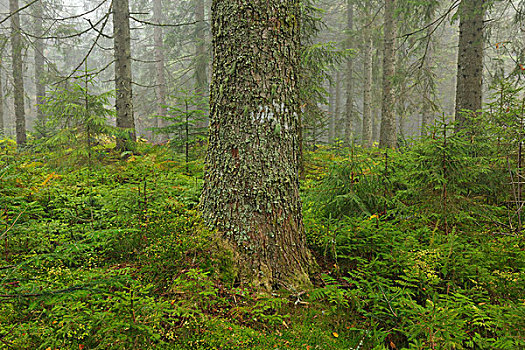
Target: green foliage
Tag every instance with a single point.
(186, 119)
(77, 121)
(413, 242)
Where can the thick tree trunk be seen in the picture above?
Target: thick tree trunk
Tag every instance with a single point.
(38, 12)
(160, 87)
(350, 123)
(470, 59)
(388, 132)
(367, 90)
(18, 79)
(251, 187)
(123, 82)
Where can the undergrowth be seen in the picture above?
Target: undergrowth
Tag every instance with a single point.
(419, 249)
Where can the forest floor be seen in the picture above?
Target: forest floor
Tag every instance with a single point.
(110, 253)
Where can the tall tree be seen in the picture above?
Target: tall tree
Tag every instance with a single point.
(331, 113)
(428, 85)
(2, 122)
(38, 12)
(123, 81)
(18, 79)
(350, 122)
(251, 183)
(367, 89)
(470, 59)
(376, 95)
(160, 86)
(201, 77)
(388, 132)
(337, 107)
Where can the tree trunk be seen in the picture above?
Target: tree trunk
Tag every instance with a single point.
(337, 108)
(123, 82)
(38, 12)
(350, 122)
(376, 96)
(2, 122)
(470, 59)
(201, 61)
(388, 132)
(160, 87)
(331, 116)
(201, 77)
(18, 79)
(367, 90)
(427, 113)
(251, 184)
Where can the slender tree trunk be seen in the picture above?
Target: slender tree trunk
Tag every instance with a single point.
(470, 59)
(367, 90)
(251, 183)
(201, 61)
(201, 77)
(160, 88)
(427, 113)
(388, 132)
(376, 124)
(337, 109)
(38, 13)
(18, 79)
(350, 122)
(2, 122)
(376, 98)
(123, 82)
(331, 112)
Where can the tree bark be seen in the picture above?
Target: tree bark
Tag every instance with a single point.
(2, 122)
(38, 12)
(18, 79)
(331, 113)
(337, 108)
(376, 97)
(201, 77)
(160, 87)
(350, 123)
(388, 132)
(201, 60)
(367, 90)
(123, 82)
(427, 112)
(470, 60)
(251, 184)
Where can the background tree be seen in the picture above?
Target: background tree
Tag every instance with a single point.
(160, 86)
(469, 92)
(251, 184)
(367, 88)
(123, 81)
(3, 42)
(38, 13)
(350, 122)
(18, 79)
(388, 132)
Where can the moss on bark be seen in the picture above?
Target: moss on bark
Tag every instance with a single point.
(251, 190)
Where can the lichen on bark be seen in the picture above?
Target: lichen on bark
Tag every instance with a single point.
(251, 189)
